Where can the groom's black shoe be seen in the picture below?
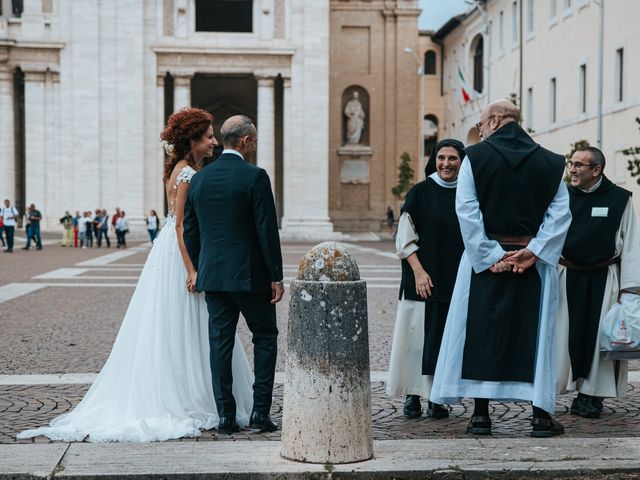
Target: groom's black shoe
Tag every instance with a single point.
(228, 425)
(261, 422)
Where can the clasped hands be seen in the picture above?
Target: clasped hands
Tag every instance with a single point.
(517, 261)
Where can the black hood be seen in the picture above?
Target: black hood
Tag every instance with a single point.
(447, 142)
(512, 143)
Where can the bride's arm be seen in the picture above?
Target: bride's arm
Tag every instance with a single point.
(181, 199)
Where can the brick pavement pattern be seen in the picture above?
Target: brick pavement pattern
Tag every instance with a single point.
(69, 329)
(23, 407)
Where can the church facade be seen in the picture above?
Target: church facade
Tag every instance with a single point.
(86, 87)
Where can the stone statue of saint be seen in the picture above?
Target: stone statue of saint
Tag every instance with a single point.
(355, 120)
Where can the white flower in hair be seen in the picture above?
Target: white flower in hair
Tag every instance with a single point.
(168, 147)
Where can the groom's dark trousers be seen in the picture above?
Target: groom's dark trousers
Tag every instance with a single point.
(260, 315)
(231, 235)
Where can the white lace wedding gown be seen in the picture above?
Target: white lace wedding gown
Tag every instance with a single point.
(156, 384)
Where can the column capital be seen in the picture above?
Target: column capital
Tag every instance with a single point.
(286, 82)
(182, 79)
(265, 80)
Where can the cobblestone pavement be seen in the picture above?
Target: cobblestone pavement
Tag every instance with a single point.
(77, 299)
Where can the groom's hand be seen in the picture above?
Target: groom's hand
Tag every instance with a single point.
(277, 291)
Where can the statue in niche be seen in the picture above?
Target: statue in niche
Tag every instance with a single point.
(355, 120)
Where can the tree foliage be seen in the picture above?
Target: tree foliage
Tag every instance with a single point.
(633, 163)
(405, 177)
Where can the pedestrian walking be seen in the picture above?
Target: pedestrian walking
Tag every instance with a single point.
(390, 218)
(9, 217)
(33, 218)
(153, 224)
(88, 229)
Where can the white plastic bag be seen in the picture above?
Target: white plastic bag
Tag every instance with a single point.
(620, 329)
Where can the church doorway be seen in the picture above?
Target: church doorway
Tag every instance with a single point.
(237, 94)
(224, 96)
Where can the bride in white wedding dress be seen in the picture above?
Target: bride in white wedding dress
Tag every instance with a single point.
(156, 383)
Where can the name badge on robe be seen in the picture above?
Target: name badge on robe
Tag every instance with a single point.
(600, 211)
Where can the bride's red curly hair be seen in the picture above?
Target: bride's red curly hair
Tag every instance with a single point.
(182, 127)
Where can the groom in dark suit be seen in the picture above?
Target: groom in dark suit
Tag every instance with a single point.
(231, 235)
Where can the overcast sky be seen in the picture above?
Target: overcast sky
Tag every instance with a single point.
(435, 13)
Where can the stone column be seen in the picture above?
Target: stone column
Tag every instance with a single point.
(7, 145)
(35, 139)
(306, 166)
(181, 91)
(158, 158)
(266, 128)
(56, 177)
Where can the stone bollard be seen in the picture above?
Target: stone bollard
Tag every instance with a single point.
(327, 393)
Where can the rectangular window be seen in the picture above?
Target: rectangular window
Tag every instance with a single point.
(514, 22)
(529, 110)
(501, 32)
(530, 16)
(619, 75)
(552, 100)
(553, 10)
(224, 15)
(582, 88)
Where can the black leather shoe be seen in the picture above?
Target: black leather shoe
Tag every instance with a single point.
(435, 410)
(261, 422)
(479, 425)
(412, 407)
(228, 425)
(597, 403)
(583, 407)
(546, 427)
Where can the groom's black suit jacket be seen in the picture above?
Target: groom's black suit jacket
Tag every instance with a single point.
(231, 229)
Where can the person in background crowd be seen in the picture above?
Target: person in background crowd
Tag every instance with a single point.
(122, 228)
(82, 228)
(76, 228)
(67, 229)
(153, 224)
(2, 231)
(88, 225)
(27, 227)
(103, 228)
(96, 227)
(390, 218)
(33, 228)
(9, 217)
(600, 261)
(114, 219)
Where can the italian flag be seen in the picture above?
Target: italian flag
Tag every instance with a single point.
(465, 89)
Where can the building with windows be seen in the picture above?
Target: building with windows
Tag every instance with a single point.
(86, 87)
(544, 55)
